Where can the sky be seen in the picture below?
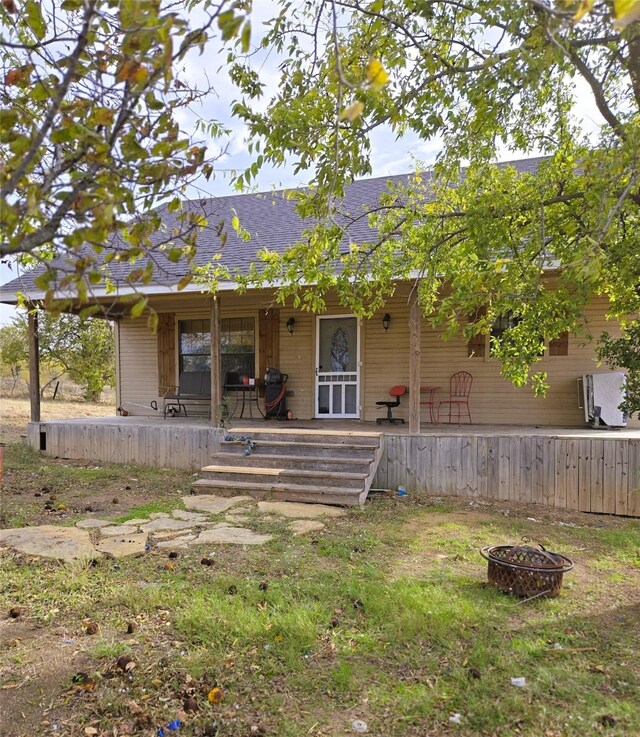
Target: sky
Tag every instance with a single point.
(389, 155)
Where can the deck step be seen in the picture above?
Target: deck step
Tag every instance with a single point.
(305, 463)
(302, 466)
(285, 492)
(339, 479)
(308, 436)
(294, 448)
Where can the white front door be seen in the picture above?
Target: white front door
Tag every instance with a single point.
(338, 367)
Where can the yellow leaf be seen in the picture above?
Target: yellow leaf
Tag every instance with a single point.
(130, 71)
(376, 74)
(625, 12)
(215, 696)
(353, 112)
(584, 8)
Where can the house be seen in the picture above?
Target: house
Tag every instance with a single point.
(395, 347)
(256, 333)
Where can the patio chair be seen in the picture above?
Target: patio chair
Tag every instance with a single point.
(459, 391)
(397, 392)
(193, 390)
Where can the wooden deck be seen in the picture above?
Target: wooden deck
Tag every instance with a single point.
(570, 468)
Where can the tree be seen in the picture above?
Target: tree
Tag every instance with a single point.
(624, 352)
(484, 78)
(13, 351)
(81, 348)
(89, 128)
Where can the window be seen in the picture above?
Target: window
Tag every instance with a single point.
(194, 345)
(502, 324)
(237, 346)
(559, 346)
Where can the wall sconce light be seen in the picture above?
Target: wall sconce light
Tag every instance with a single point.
(386, 320)
(291, 324)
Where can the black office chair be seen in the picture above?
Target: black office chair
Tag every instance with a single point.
(397, 392)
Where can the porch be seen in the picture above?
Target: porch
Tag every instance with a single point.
(569, 468)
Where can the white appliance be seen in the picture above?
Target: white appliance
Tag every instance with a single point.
(602, 394)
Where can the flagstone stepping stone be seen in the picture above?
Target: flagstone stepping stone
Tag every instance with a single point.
(305, 526)
(159, 515)
(188, 516)
(301, 510)
(166, 523)
(232, 535)
(136, 521)
(212, 503)
(123, 546)
(118, 530)
(231, 517)
(184, 541)
(88, 524)
(170, 534)
(49, 541)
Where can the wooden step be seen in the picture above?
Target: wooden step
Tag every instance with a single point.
(284, 492)
(316, 450)
(338, 479)
(305, 463)
(294, 465)
(309, 436)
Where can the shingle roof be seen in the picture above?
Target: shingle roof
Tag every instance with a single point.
(269, 217)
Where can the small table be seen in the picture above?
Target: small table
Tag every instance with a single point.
(250, 396)
(430, 391)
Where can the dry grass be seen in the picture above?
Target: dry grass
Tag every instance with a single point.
(16, 414)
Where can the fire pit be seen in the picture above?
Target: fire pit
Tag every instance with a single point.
(526, 571)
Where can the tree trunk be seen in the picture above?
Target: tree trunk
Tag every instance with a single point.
(34, 367)
(216, 379)
(415, 355)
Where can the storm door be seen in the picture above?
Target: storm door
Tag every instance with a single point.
(337, 367)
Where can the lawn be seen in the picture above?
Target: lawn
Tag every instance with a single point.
(383, 617)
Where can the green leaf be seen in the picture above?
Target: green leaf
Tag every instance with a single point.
(139, 307)
(245, 38)
(33, 14)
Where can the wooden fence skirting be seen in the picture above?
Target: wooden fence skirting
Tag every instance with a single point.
(587, 474)
(162, 446)
(583, 474)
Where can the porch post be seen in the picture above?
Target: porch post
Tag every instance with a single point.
(414, 362)
(34, 366)
(216, 379)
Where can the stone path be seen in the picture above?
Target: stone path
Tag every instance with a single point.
(92, 538)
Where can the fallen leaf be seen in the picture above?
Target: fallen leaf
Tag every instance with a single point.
(215, 696)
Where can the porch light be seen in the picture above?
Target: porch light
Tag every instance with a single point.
(386, 320)
(291, 324)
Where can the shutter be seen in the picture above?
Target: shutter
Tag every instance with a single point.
(559, 346)
(166, 351)
(269, 341)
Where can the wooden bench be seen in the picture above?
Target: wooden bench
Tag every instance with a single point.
(193, 391)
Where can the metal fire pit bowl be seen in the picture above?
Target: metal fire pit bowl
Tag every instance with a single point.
(526, 571)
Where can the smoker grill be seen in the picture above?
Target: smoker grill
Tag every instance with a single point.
(275, 394)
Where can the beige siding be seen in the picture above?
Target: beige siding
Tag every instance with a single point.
(138, 364)
(297, 358)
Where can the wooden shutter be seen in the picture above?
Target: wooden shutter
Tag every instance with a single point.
(166, 351)
(269, 341)
(477, 344)
(559, 346)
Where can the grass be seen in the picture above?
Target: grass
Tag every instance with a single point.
(384, 616)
